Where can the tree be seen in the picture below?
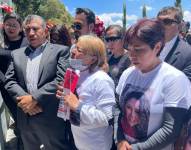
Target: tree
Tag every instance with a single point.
(144, 11)
(26, 7)
(52, 10)
(178, 4)
(124, 16)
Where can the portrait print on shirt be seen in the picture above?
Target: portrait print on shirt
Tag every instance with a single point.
(136, 113)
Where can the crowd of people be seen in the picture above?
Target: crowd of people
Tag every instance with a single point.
(133, 91)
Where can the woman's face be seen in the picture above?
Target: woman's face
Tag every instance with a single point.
(132, 111)
(12, 28)
(142, 56)
(78, 53)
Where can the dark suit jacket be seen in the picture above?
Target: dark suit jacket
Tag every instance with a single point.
(52, 68)
(180, 57)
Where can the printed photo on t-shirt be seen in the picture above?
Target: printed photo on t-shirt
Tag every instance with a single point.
(136, 112)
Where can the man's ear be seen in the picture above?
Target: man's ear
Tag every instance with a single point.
(91, 27)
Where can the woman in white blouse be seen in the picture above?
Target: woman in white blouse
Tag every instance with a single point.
(91, 106)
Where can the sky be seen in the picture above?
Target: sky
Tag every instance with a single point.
(110, 11)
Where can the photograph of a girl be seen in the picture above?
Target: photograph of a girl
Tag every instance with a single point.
(136, 117)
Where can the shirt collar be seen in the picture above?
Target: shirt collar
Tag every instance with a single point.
(41, 47)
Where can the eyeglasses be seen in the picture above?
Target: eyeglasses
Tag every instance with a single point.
(77, 26)
(112, 38)
(14, 26)
(28, 29)
(168, 21)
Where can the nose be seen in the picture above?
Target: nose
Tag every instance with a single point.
(109, 45)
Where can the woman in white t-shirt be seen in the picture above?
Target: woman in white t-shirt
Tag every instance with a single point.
(91, 107)
(165, 98)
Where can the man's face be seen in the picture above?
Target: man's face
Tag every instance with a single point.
(171, 25)
(80, 25)
(35, 33)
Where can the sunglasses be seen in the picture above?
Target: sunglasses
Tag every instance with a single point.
(169, 21)
(77, 26)
(112, 38)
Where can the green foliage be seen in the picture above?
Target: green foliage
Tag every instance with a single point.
(52, 10)
(144, 11)
(124, 16)
(178, 4)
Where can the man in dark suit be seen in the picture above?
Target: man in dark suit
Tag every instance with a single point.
(31, 80)
(176, 51)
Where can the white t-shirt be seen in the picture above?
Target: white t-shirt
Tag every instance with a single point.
(96, 93)
(143, 97)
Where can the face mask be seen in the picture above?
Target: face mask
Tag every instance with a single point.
(77, 64)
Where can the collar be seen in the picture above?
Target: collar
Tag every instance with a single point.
(167, 48)
(40, 48)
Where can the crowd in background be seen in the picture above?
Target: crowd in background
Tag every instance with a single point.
(133, 92)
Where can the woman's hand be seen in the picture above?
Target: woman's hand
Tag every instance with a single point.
(69, 98)
(123, 145)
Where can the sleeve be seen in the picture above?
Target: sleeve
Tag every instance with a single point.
(174, 96)
(99, 115)
(11, 83)
(173, 120)
(118, 132)
(2, 79)
(48, 90)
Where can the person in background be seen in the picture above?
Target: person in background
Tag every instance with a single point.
(160, 83)
(91, 106)
(13, 39)
(118, 58)
(59, 35)
(84, 22)
(31, 80)
(176, 51)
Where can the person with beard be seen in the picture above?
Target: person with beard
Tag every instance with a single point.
(84, 22)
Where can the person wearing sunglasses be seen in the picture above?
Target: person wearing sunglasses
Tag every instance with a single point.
(118, 59)
(84, 22)
(176, 51)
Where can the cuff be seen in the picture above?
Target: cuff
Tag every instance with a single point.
(75, 115)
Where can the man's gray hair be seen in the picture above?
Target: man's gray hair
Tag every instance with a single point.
(29, 18)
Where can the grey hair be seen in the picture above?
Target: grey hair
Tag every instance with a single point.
(29, 18)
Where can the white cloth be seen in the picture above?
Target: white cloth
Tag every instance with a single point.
(164, 86)
(96, 93)
(168, 46)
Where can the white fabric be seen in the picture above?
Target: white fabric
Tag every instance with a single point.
(169, 88)
(96, 93)
(168, 46)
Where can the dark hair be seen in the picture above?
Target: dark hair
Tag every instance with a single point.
(118, 29)
(63, 36)
(89, 13)
(18, 19)
(167, 10)
(141, 129)
(149, 31)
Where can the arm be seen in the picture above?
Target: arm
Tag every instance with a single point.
(118, 132)
(11, 84)
(100, 114)
(2, 79)
(48, 90)
(173, 120)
